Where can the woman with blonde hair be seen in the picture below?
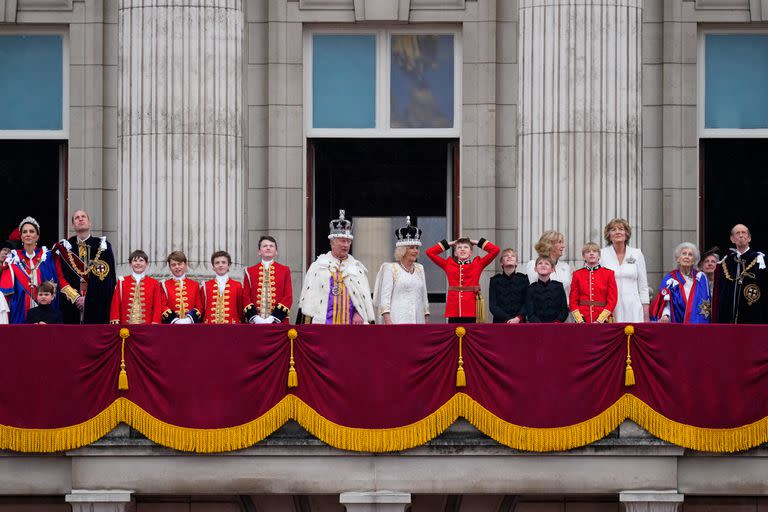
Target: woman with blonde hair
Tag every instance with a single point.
(628, 264)
(400, 292)
(551, 245)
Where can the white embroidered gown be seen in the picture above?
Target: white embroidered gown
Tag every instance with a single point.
(401, 294)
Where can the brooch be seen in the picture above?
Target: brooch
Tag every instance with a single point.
(705, 308)
(631, 260)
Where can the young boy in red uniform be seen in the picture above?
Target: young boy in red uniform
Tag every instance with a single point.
(593, 289)
(184, 299)
(463, 272)
(222, 296)
(138, 299)
(267, 292)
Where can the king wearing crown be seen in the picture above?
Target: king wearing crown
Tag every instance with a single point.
(336, 289)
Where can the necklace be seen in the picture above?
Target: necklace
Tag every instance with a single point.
(409, 270)
(29, 270)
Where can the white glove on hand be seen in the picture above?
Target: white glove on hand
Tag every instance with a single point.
(183, 321)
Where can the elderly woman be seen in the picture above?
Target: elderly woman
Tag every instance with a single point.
(400, 292)
(708, 265)
(551, 244)
(27, 269)
(628, 265)
(684, 293)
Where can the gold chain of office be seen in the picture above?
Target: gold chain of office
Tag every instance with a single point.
(728, 275)
(88, 268)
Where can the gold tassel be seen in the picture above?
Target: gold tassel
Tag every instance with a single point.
(461, 378)
(629, 373)
(479, 308)
(293, 377)
(122, 379)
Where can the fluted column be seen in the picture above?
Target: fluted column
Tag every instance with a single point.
(579, 123)
(180, 129)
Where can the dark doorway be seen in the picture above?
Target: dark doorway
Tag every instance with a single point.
(378, 182)
(30, 180)
(734, 190)
(379, 178)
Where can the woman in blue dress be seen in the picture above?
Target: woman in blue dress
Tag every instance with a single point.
(28, 268)
(684, 292)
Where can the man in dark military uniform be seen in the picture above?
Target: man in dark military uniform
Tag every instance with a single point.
(87, 260)
(741, 282)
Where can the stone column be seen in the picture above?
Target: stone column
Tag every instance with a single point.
(180, 129)
(651, 501)
(579, 123)
(375, 501)
(100, 501)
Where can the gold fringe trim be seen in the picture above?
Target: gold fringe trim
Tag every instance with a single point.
(385, 439)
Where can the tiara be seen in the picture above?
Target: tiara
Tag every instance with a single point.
(29, 220)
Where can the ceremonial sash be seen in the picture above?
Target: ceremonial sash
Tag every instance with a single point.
(677, 276)
(24, 281)
(75, 259)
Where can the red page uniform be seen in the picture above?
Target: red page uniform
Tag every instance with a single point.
(225, 307)
(463, 277)
(139, 302)
(593, 294)
(184, 298)
(267, 291)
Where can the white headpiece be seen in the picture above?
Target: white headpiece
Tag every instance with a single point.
(29, 220)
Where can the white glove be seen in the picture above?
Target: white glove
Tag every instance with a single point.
(273, 320)
(256, 319)
(183, 321)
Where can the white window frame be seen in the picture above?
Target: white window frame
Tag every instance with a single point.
(62, 134)
(383, 63)
(721, 133)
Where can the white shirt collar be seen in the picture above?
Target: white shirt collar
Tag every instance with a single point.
(222, 281)
(742, 253)
(181, 278)
(137, 277)
(82, 240)
(266, 263)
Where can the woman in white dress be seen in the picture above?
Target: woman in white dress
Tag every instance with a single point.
(400, 292)
(628, 263)
(551, 244)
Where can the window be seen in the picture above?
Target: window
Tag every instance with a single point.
(382, 83)
(734, 75)
(32, 80)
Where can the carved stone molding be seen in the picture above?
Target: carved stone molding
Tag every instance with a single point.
(45, 5)
(722, 4)
(382, 10)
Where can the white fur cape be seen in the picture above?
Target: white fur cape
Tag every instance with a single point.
(317, 287)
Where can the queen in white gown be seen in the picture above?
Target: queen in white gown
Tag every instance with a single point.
(400, 292)
(628, 264)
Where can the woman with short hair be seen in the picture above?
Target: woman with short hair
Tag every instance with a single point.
(628, 265)
(684, 292)
(551, 245)
(708, 265)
